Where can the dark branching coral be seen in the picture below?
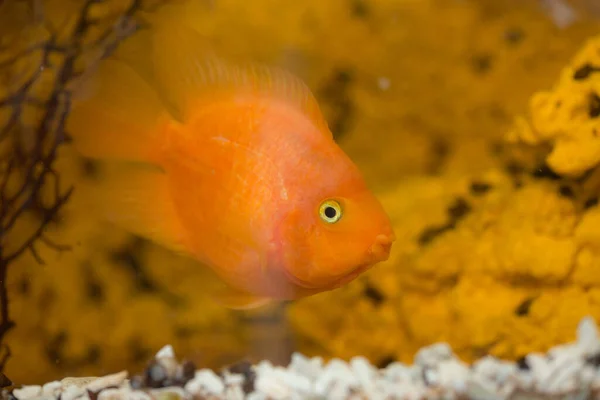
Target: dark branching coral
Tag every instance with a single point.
(41, 65)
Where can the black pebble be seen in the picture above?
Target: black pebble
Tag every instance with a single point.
(523, 364)
(92, 395)
(245, 368)
(385, 361)
(593, 360)
(188, 371)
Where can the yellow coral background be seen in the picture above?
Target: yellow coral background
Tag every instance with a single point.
(467, 120)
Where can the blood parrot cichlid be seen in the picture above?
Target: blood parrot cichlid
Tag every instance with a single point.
(233, 166)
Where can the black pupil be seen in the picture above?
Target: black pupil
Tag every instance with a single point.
(330, 212)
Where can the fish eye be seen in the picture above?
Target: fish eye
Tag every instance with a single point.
(330, 211)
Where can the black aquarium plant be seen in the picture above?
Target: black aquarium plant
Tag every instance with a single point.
(43, 58)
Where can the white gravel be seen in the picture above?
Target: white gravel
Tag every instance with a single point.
(569, 371)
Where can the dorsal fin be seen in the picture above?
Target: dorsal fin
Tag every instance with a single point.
(187, 72)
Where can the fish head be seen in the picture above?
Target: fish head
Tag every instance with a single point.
(336, 231)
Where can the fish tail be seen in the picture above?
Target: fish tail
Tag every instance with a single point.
(117, 115)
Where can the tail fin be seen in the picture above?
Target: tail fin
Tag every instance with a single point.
(118, 116)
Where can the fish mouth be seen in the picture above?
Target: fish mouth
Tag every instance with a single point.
(379, 251)
(381, 248)
(335, 282)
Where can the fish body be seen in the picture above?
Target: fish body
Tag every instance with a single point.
(240, 172)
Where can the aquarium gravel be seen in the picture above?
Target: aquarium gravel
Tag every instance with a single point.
(569, 371)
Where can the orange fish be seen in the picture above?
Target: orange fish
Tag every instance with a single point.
(235, 167)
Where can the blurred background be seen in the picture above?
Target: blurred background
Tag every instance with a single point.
(473, 120)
